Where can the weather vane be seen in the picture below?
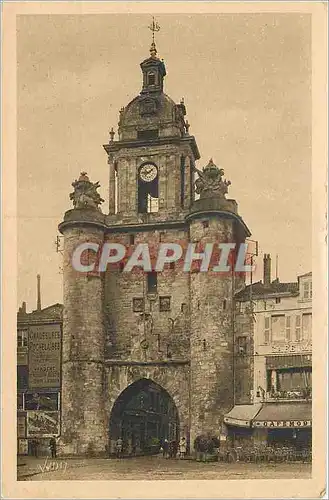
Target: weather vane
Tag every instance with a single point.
(154, 27)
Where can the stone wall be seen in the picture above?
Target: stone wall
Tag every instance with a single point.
(244, 359)
(166, 331)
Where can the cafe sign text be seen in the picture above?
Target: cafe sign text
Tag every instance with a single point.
(282, 423)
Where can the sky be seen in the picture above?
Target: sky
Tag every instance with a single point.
(246, 82)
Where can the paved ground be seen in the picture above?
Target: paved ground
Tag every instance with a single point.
(151, 468)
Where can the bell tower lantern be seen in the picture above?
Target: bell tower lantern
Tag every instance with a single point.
(151, 163)
(153, 69)
(154, 72)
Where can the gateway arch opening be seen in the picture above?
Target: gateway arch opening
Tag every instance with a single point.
(143, 416)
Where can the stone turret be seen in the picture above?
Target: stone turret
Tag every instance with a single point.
(212, 218)
(83, 418)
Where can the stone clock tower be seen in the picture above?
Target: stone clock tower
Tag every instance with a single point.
(151, 164)
(148, 356)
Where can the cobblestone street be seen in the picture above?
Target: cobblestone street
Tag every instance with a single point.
(151, 468)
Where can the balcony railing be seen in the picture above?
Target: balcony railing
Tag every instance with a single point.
(293, 395)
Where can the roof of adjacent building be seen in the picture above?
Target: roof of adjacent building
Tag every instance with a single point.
(259, 289)
(304, 275)
(50, 313)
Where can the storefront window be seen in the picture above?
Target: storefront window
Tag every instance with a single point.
(22, 377)
(297, 379)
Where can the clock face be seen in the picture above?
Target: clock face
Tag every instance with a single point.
(148, 172)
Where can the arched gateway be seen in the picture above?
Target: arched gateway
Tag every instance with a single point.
(121, 330)
(142, 414)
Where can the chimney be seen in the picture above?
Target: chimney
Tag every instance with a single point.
(267, 269)
(38, 294)
(23, 308)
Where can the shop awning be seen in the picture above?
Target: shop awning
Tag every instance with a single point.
(284, 415)
(242, 415)
(294, 361)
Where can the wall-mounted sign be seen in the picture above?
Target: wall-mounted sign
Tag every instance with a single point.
(44, 356)
(290, 347)
(47, 401)
(282, 423)
(21, 426)
(23, 447)
(43, 424)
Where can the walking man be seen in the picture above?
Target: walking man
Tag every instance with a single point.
(165, 448)
(119, 444)
(34, 448)
(53, 447)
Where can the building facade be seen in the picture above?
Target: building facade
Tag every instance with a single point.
(39, 338)
(281, 322)
(150, 355)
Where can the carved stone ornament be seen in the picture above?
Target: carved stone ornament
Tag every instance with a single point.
(85, 193)
(148, 106)
(164, 304)
(138, 304)
(210, 183)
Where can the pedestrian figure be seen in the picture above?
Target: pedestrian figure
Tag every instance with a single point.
(53, 447)
(182, 448)
(130, 447)
(119, 444)
(173, 449)
(165, 449)
(34, 448)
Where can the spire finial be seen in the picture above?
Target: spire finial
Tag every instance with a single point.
(154, 26)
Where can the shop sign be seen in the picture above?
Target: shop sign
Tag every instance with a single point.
(44, 356)
(282, 423)
(237, 422)
(43, 424)
(297, 347)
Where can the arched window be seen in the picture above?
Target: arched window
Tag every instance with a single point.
(151, 78)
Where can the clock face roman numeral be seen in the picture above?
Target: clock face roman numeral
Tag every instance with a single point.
(148, 172)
